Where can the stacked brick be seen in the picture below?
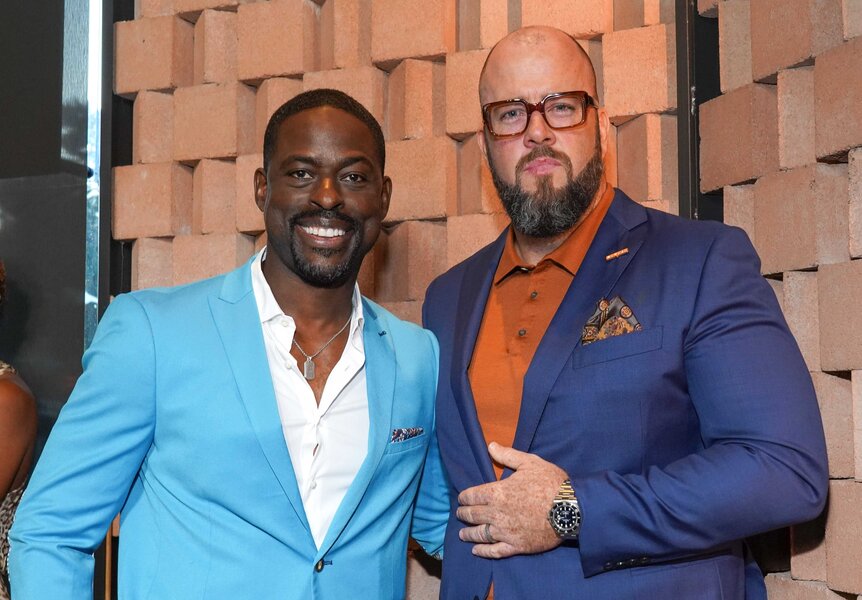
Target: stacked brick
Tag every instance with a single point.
(784, 141)
(205, 75)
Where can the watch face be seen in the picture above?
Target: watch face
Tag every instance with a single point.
(566, 517)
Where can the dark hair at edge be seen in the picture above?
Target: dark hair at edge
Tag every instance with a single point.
(316, 99)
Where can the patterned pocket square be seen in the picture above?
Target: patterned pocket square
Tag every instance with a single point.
(612, 317)
(405, 433)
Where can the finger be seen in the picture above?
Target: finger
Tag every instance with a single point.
(474, 515)
(498, 550)
(475, 534)
(477, 495)
(508, 457)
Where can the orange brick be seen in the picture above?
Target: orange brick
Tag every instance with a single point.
(707, 8)
(201, 256)
(659, 11)
(839, 288)
(734, 43)
(345, 34)
(476, 192)
(611, 159)
(424, 178)
(152, 200)
(628, 14)
(215, 47)
(481, 23)
(276, 38)
(800, 306)
(835, 398)
(780, 586)
(191, 9)
(259, 242)
(796, 117)
(593, 48)
(411, 29)
(852, 18)
(739, 136)
(639, 71)
(410, 255)
(249, 218)
(854, 173)
(412, 311)
(153, 8)
(152, 54)
(837, 94)
(831, 214)
(776, 44)
(214, 196)
(463, 111)
(213, 121)
(153, 129)
(151, 263)
(580, 18)
(271, 94)
(784, 202)
(417, 103)
(647, 159)
(843, 532)
(856, 390)
(808, 549)
(469, 233)
(739, 208)
(366, 84)
(778, 289)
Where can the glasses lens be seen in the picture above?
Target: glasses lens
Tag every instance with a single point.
(508, 118)
(565, 111)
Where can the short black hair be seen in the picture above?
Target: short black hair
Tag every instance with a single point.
(315, 99)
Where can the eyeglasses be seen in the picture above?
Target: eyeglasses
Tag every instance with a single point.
(562, 110)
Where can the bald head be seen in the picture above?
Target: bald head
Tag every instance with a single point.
(532, 58)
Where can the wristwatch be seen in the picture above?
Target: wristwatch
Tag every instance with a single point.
(565, 513)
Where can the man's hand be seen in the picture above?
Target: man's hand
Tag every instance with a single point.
(511, 516)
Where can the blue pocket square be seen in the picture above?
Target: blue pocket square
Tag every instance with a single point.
(405, 433)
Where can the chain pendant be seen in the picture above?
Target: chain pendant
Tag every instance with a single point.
(308, 368)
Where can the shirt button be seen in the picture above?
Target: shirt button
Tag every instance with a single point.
(522, 332)
(284, 323)
(533, 295)
(319, 566)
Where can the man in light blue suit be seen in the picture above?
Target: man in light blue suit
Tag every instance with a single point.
(267, 433)
(663, 412)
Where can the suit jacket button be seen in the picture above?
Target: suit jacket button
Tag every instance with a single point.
(319, 566)
(608, 566)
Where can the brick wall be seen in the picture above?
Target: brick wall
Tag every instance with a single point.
(205, 75)
(784, 141)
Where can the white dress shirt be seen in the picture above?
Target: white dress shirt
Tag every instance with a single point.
(327, 442)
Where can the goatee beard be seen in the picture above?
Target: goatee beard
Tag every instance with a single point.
(327, 276)
(550, 211)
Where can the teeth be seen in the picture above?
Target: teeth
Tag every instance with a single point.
(327, 232)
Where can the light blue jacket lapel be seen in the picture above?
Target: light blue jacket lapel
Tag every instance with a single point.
(238, 322)
(380, 381)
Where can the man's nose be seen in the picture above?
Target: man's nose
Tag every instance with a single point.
(326, 194)
(538, 132)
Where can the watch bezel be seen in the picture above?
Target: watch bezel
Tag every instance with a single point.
(564, 531)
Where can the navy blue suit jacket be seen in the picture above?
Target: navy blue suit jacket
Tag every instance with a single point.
(680, 439)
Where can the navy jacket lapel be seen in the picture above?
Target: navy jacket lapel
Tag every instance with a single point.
(478, 278)
(236, 317)
(594, 280)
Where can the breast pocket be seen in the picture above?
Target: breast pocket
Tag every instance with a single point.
(614, 348)
(415, 442)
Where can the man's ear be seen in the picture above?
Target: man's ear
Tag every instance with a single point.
(604, 130)
(385, 196)
(483, 143)
(260, 189)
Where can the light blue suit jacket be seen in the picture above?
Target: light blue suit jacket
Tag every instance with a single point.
(174, 421)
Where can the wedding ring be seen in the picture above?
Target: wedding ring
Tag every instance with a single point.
(486, 535)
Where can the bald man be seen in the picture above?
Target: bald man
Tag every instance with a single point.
(621, 402)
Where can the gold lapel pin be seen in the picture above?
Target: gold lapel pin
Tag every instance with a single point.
(616, 254)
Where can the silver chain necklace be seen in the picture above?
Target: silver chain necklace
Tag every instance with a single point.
(308, 366)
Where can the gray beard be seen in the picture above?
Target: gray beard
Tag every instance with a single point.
(550, 211)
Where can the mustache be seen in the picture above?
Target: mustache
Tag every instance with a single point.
(543, 152)
(324, 214)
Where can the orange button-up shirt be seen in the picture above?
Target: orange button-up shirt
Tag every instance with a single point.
(521, 304)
